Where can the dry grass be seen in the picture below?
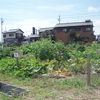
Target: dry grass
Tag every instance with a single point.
(46, 88)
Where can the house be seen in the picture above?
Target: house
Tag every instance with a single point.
(13, 36)
(83, 29)
(98, 38)
(31, 38)
(41, 30)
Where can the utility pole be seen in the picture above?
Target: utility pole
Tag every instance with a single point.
(59, 19)
(1, 30)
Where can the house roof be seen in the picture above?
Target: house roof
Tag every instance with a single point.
(13, 31)
(32, 36)
(74, 24)
(44, 29)
(36, 35)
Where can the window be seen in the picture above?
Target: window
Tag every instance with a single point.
(11, 34)
(64, 30)
(19, 35)
(88, 29)
(4, 35)
(85, 39)
(77, 29)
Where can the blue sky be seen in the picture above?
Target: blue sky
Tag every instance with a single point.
(26, 14)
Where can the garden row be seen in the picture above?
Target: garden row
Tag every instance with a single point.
(48, 56)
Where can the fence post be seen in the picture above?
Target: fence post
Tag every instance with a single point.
(16, 56)
(88, 70)
(17, 63)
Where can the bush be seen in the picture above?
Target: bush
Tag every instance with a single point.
(47, 49)
(81, 48)
(27, 67)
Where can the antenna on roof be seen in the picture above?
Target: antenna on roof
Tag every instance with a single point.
(59, 19)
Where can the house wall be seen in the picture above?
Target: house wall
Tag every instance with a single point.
(64, 36)
(16, 38)
(8, 35)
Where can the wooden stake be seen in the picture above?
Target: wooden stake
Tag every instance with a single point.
(17, 61)
(88, 70)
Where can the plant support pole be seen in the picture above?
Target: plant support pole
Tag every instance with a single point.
(17, 61)
(88, 70)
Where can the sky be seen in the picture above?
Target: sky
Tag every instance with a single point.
(25, 14)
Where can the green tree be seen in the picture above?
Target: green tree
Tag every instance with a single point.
(72, 33)
(47, 34)
(78, 38)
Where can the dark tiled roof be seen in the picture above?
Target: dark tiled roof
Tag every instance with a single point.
(32, 36)
(74, 24)
(13, 30)
(44, 29)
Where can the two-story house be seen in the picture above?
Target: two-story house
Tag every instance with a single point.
(41, 30)
(13, 36)
(84, 29)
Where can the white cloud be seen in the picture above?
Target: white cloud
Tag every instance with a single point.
(27, 24)
(97, 27)
(11, 11)
(58, 7)
(4, 11)
(93, 9)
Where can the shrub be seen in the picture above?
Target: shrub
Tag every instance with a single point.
(27, 67)
(81, 48)
(48, 49)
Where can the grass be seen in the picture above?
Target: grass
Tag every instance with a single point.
(45, 88)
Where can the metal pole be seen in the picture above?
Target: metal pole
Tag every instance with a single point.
(88, 70)
(1, 30)
(59, 19)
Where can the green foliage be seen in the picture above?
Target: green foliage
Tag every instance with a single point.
(72, 33)
(49, 55)
(8, 51)
(96, 68)
(77, 38)
(94, 45)
(77, 65)
(25, 48)
(0, 44)
(26, 68)
(47, 34)
(7, 65)
(46, 49)
(81, 48)
(72, 83)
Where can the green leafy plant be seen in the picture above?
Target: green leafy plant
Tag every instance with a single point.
(81, 48)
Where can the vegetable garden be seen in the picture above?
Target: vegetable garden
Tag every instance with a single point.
(49, 57)
(53, 58)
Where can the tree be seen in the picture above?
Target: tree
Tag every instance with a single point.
(77, 38)
(72, 33)
(47, 34)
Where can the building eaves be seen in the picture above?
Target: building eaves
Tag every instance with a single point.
(74, 24)
(32, 36)
(13, 31)
(44, 29)
(36, 35)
